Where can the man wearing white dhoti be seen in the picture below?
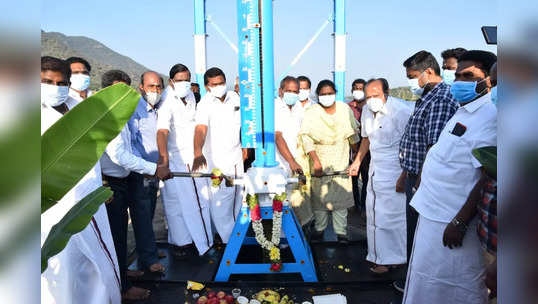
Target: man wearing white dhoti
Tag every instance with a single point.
(217, 145)
(86, 270)
(383, 122)
(439, 274)
(289, 114)
(186, 200)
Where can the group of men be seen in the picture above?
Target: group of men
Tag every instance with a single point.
(415, 164)
(429, 201)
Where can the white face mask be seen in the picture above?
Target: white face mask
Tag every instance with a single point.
(327, 100)
(80, 82)
(303, 94)
(358, 94)
(182, 88)
(375, 104)
(415, 87)
(153, 98)
(53, 95)
(218, 91)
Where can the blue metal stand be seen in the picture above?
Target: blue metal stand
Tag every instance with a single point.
(304, 263)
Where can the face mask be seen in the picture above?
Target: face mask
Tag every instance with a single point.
(218, 91)
(303, 94)
(290, 98)
(53, 95)
(80, 82)
(182, 88)
(415, 87)
(153, 98)
(494, 95)
(358, 94)
(464, 91)
(375, 104)
(448, 76)
(326, 100)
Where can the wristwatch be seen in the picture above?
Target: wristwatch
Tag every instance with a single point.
(462, 227)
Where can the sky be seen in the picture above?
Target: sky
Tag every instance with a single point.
(381, 34)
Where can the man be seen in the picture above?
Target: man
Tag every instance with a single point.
(358, 102)
(288, 118)
(305, 86)
(186, 200)
(122, 168)
(86, 270)
(80, 78)
(383, 122)
(482, 201)
(196, 91)
(217, 145)
(450, 64)
(438, 274)
(432, 110)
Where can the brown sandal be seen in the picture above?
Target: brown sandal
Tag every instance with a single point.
(379, 269)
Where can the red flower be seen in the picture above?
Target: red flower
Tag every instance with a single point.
(277, 206)
(255, 213)
(276, 267)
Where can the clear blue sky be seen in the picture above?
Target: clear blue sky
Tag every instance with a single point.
(381, 34)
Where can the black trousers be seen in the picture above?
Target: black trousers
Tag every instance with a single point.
(411, 213)
(359, 196)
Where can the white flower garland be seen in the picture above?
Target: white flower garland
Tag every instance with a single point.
(276, 233)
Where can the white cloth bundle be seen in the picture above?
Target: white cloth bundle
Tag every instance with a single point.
(330, 299)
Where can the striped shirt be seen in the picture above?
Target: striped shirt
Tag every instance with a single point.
(431, 113)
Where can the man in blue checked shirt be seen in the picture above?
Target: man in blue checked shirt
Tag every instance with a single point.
(432, 110)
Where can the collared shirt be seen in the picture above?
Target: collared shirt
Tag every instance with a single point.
(431, 113)
(450, 170)
(384, 131)
(357, 111)
(301, 108)
(288, 121)
(75, 97)
(119, 159)
(143, 128)
(487, 216)
(177, 117)
(222, 147)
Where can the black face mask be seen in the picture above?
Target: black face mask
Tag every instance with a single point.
(197, 96)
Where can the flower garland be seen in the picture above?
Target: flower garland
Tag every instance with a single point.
(255, 216)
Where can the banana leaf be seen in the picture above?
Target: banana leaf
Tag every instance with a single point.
(74, 144)
(487, 156)
(74, 221)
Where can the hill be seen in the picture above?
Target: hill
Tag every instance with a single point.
(100, 57)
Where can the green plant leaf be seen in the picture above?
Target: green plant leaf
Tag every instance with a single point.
(74, 221)
(487, 156)
(74, 144)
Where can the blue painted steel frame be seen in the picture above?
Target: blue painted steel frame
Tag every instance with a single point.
(304, 262)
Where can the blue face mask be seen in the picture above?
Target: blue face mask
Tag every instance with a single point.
(448, 76)
(494, 95)
(464, 91)
(290, 98)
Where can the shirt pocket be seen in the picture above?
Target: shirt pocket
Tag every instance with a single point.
(453, 149)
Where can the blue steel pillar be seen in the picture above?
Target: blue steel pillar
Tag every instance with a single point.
(199, 43)
(339, 48)
(268, 81)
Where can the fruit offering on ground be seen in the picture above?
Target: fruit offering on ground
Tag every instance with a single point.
(202, 300)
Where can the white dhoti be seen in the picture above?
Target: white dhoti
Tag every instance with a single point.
(385, 221)
(187, 208)
(226, 203)
(438, 274)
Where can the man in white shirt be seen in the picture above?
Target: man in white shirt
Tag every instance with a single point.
(86, 270)
(383, 122)
(217, 145)
(305, 91)
(117, 163)
(438, 274)
(186, 200)
(289, 114)
(80, 79)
